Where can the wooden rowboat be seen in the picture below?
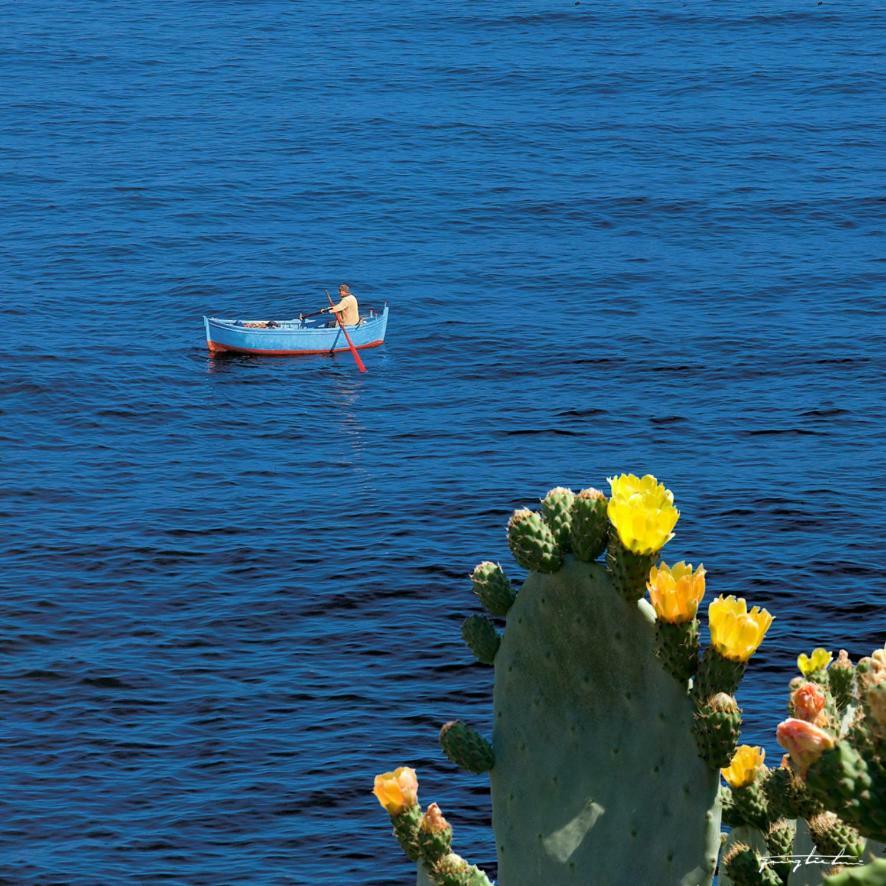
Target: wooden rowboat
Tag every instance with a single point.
(308, 335)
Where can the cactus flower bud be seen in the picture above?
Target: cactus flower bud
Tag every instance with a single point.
(804, 741)
(433, 820)
(746, 763)
(676, 591)
(817, 661)
(737, 633)
(807, 703)
(397, 790)
(642, 512)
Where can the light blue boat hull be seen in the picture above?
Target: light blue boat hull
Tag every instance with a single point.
(311, 336)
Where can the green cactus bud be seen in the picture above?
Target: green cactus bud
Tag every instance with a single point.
(718, 674)
(556, 507)
(841, 779)
(873, 874)
(751, 805)
(743, 866)
(834, 837)
(729, 816)
(590, 525)
(788, 796)
(628, 570)
(466, 747)
(482, 638)
(532, 543)
(716, 726)
(677, 647)
(406, 830)
(434, 835)
(453, 870)
(493, 587)
(842, 679)
(780, 841)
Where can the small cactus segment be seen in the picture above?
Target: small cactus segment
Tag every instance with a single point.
(873, 874)
(744, 867)
(629, 571)
(482, 638)
(834, 837)
(466, 748)
(841, 678)
(590, 525)
(556, 508)
(493, 587)
(532, 543)
(841, 779)
(788, 796)
(718, 674)
(677, 647)
(780, 843)
(426, 839)
(716, 726)
(746, 774)
(572, 780)
(434, 835)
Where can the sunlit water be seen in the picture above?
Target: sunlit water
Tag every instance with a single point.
(612, 236)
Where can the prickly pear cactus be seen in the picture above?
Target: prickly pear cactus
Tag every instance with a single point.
(609, 725)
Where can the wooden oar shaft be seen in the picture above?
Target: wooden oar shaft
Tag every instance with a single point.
(357, 359)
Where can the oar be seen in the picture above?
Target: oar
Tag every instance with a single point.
(357, 359)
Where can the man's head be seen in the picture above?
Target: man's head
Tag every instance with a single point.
(344, 289)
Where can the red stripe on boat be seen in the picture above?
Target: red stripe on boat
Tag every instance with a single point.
(216, 348)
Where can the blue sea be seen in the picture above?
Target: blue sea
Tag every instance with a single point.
(625, 236)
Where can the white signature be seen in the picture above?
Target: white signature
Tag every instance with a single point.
(811, 858)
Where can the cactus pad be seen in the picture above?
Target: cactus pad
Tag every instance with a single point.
(629, 571)
(556, 507)
(493, 588)
(532, 543)
(590, 525)
(482, 638)
(716, 727)
(466, 747)
(593, 745)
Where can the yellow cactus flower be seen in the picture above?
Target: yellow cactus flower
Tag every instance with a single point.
(736, 633)
(676, 591)
(642, 512)
(818, 661)
(746, 762)
(397, 790)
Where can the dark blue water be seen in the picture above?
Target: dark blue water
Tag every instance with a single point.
(634, 236)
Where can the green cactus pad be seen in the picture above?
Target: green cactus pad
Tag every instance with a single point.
(466, 747)
(677, 647)
(482, 638)
(873, 874)
(556, 508)
(834, 837)
(718, 674)
(532, 543)
(493, 587)
(729, 816)
(742, 865)
(629, 571)
(716, 727)
(406, 826)
(597, 780)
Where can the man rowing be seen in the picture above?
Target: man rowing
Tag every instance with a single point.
(347, 309)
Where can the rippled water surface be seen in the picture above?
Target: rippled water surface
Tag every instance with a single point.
(612, 236)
